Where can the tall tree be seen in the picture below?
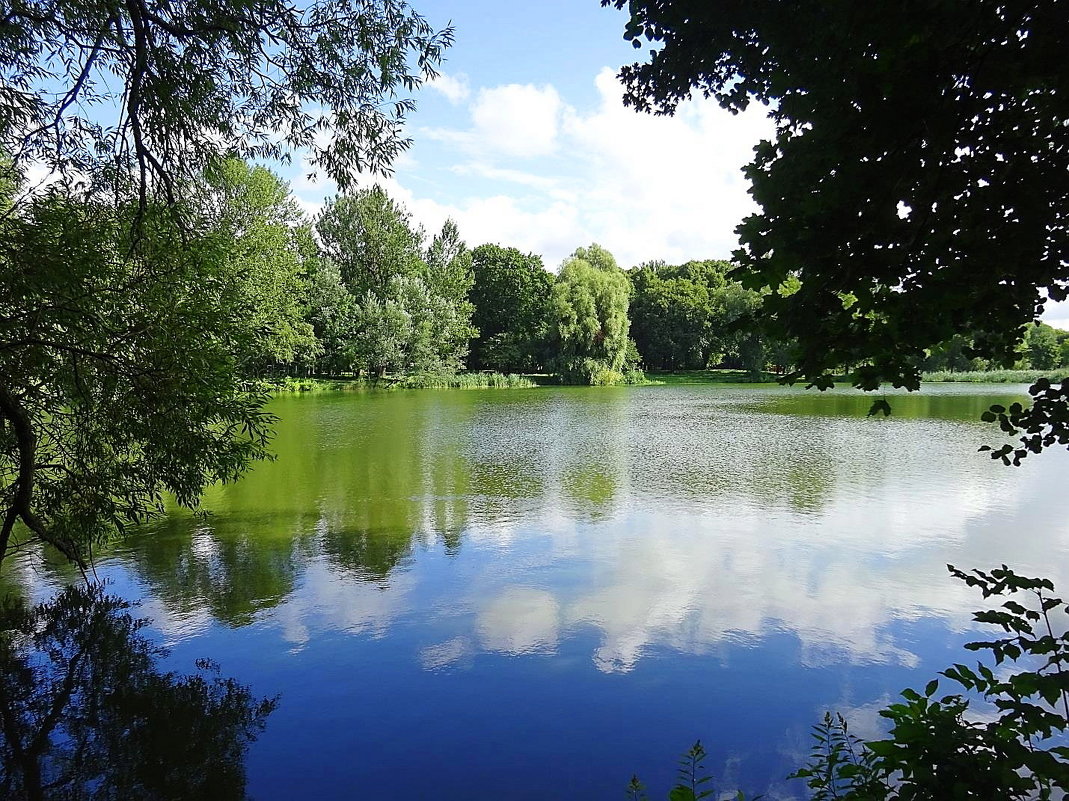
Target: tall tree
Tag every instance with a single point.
(920, 168)
(511, 295)
(371, 238)
(1041, 347)
(120, 351)
(267, 253)
(450, 278)
(676, 319)
(120, 366)
(410, 310)
(589, 309)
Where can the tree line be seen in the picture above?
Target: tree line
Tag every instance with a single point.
(361, 290)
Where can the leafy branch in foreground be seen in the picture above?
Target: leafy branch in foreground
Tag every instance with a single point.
(1044, 423)
(186, 83)
(944, 748)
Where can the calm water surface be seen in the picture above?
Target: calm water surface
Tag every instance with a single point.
(537, 593)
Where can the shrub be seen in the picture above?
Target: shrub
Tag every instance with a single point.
(938, 747)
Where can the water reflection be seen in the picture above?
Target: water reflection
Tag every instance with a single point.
(86, 713)
(681, 520)
(555, 567)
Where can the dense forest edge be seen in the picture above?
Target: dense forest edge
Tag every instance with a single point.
(360, 296)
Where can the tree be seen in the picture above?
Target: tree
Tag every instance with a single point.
(371, 239)
(449, 278)
(122, 341)
(682, 316)
(120, 371)
(590, 315)
(511, 298)
(332, 313)
(267, 254)
(184, 83)
(952, 355)
(693, 317)
(918, 182)
(1041, 347)
(411, 311)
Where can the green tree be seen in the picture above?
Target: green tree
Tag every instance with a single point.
(1041, 347)
(122, 336)
(920, 165)
(681, 318)
(692, 317)
(589, 307)
(371, 239)
(952, 355)
(409, 309)
(120, 356)
(270, 245)
(450, 277)
(188, 82)
(332, 311)
(511, 298)
(385, 333)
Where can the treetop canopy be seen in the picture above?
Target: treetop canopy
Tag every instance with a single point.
(157, 89)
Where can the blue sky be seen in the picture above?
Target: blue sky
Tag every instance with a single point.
(524, 141)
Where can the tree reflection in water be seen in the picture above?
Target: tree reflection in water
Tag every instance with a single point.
(85, 713)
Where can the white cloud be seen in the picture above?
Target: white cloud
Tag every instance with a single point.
(517, 120)
(644, 187)
(454, 88)
(1057, 314)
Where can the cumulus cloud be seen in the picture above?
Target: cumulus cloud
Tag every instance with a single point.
(1057, 315)
(454, 88)
(517, 120)
(532, 171)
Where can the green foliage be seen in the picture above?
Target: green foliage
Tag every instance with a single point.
(371, 240)
(193, 81)
(1041, 347)
(937, 747)
(919, 168)
(840, 765)
(676, 320)
(135, 293)
(1038, 426)
(952, 355)
(692, 316)
(332, 312)
(993, 376)
(511, 294)
(589, 308)
(693, 781)
(89, 715)
(268, 249)
(379, 302)
(466, 381)
(120, 364)
(692, 776)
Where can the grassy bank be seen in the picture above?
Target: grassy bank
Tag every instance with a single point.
(457, 381)
(674, 377)
(996, 376)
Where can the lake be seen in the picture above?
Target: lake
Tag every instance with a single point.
(533, 594)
